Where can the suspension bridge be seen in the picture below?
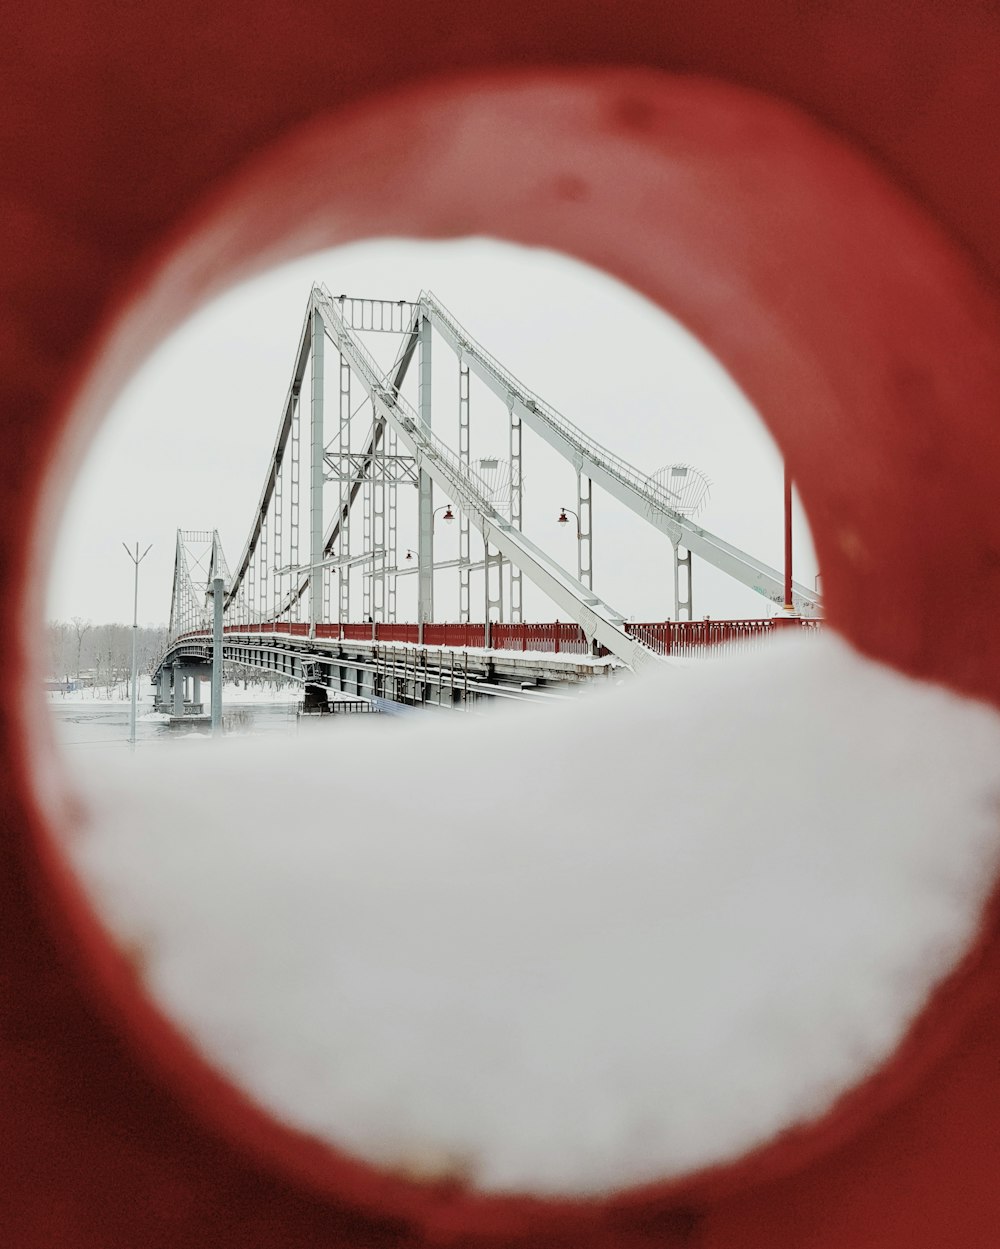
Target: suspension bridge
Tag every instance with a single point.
(317, 590)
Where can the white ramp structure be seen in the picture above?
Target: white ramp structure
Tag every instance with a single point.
(643, 494)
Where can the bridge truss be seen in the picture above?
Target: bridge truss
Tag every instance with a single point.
(358, 469)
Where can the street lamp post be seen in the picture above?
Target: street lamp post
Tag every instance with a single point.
(581, 538)
(563, 519)
(425, 565)
(136, 560)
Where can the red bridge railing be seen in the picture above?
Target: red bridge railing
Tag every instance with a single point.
(692, 637)
(663, 637)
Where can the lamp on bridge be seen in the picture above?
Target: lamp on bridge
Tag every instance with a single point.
(563, 518)
(448, 516)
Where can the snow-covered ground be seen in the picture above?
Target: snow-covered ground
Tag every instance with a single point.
(232, 693)
(565, 949)
(100, 694)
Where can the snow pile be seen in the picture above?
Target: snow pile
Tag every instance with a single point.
(569, 949)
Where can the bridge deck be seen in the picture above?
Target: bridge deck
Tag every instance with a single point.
(451, 666)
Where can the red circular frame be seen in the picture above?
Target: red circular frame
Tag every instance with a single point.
(824, 290)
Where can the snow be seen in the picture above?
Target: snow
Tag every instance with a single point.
(232, 693)
(572, 948)
(102, 695)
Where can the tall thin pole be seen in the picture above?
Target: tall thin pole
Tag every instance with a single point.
(217, 630)
(788, 541)
(136, 560)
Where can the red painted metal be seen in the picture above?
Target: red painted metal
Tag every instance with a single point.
(397, 633)
(293, 628)
(688, 637)
(859, 310)
(664, 637)
(354, 632)
(457, 635)
(555, 638)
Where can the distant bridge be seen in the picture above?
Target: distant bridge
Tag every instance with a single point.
(291, 604)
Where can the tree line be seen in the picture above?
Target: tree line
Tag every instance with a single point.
(101, 654)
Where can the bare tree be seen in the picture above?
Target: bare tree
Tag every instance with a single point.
(81, 628)
(102, 650)
(60, 657)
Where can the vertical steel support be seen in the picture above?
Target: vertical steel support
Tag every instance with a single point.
(516, 499)
(367, 497)
(178, 690)
(392, 552)
(425, 489)
(344, 447)
(464, 551)
(262, 571)
(262, 548)
(293, 518)
(585, 532)
(317, 469)
(217, 604)
(280, 602)
(379, 475)
(493, 585)
(683, 607)
(252, 587)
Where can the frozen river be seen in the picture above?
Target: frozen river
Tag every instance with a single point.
(93, 724)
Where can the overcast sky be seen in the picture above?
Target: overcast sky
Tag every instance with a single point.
(188, 442)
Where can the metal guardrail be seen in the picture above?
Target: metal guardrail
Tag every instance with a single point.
(658, 497)
(664, 637)
(685, 638)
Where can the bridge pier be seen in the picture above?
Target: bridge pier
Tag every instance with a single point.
(179, 689)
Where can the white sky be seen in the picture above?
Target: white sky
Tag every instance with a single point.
(188, 442)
